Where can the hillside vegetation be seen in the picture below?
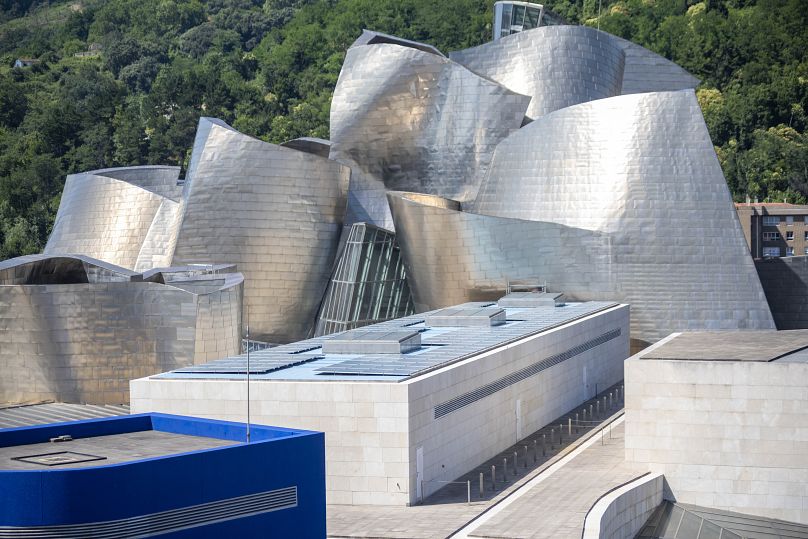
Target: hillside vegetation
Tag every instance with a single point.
(268, 68)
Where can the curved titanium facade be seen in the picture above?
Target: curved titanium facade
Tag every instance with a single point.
(453, 257)
(647, 71)
(111, 214)
(275, 212)
(411, 120)
(557, 66)
(560, 66)
(77, 329)
(645, 183)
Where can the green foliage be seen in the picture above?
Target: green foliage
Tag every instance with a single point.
(269, 68)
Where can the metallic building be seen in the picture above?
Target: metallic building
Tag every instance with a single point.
(636, 180)
(314, 145)
(275, 212)
(565, 65)
(368, 284)
(557, 66)
(452, 256)
(117, 215)
(406, 119)
(77, 329)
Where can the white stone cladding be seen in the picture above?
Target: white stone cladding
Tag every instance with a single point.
(731, 435)
(373, 429)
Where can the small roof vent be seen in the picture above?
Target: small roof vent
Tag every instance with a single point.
(466, 317)
(531, 300)
(370, 341)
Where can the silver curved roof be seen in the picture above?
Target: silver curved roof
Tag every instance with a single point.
(557, 66)
(116, 214)
(643, 211)
(78, 329)
(273, 211)
(406, 119)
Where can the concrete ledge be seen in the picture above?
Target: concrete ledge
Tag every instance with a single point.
(622, 512)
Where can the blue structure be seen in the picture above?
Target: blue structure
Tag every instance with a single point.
(272, 487)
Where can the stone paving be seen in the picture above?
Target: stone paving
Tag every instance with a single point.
(447, 511)
(556, 508)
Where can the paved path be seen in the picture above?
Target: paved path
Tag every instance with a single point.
(554, 505)
(447, 512)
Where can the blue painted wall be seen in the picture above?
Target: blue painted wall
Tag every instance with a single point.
(276, 458)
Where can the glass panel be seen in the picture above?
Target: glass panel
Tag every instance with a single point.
(689, 528)
(710, 530)
(670, 521)
(505, 29)
(518, 18)
(532, 18)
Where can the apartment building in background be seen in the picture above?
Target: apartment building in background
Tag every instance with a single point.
(774, 229)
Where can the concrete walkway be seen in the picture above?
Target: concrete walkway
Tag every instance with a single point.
(507, 511)
(554, 505)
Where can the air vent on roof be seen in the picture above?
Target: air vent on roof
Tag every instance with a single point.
(531, 300)
(466, 317)
(363, 341)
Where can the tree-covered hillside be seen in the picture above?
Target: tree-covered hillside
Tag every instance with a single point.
(123, 82)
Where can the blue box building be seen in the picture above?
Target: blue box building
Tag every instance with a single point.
(161, 475)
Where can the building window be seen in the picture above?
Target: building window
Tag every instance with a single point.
(806, 250)
(771, 251)
(771, 220)
(806, 235)
(789, 235)
(805, 219)
(789, 220)
(771, 236)
(789, 251)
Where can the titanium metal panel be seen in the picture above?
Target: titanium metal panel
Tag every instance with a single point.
(557, 66)
(75, 329)
(623, 197)
(110, 214)
(402, 118)
(453, 257)
(371, 37)
(560, 66)
(313, 145)
(647, 71)
(275, 212)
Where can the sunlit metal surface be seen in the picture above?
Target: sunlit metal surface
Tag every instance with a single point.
(641, 211)
(647, 71)
(117, 215)
(76, 329)
(314, 145)
(369, 284)
(275, 212)
(411, 120)
(558, 66)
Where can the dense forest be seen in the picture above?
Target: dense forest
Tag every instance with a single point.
(123, 82)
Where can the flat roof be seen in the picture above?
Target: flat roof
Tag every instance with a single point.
(103, 450)
(761, 346)
(440, 346)
(26, 415)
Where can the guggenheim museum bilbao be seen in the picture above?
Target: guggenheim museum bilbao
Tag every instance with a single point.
(560, 155)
